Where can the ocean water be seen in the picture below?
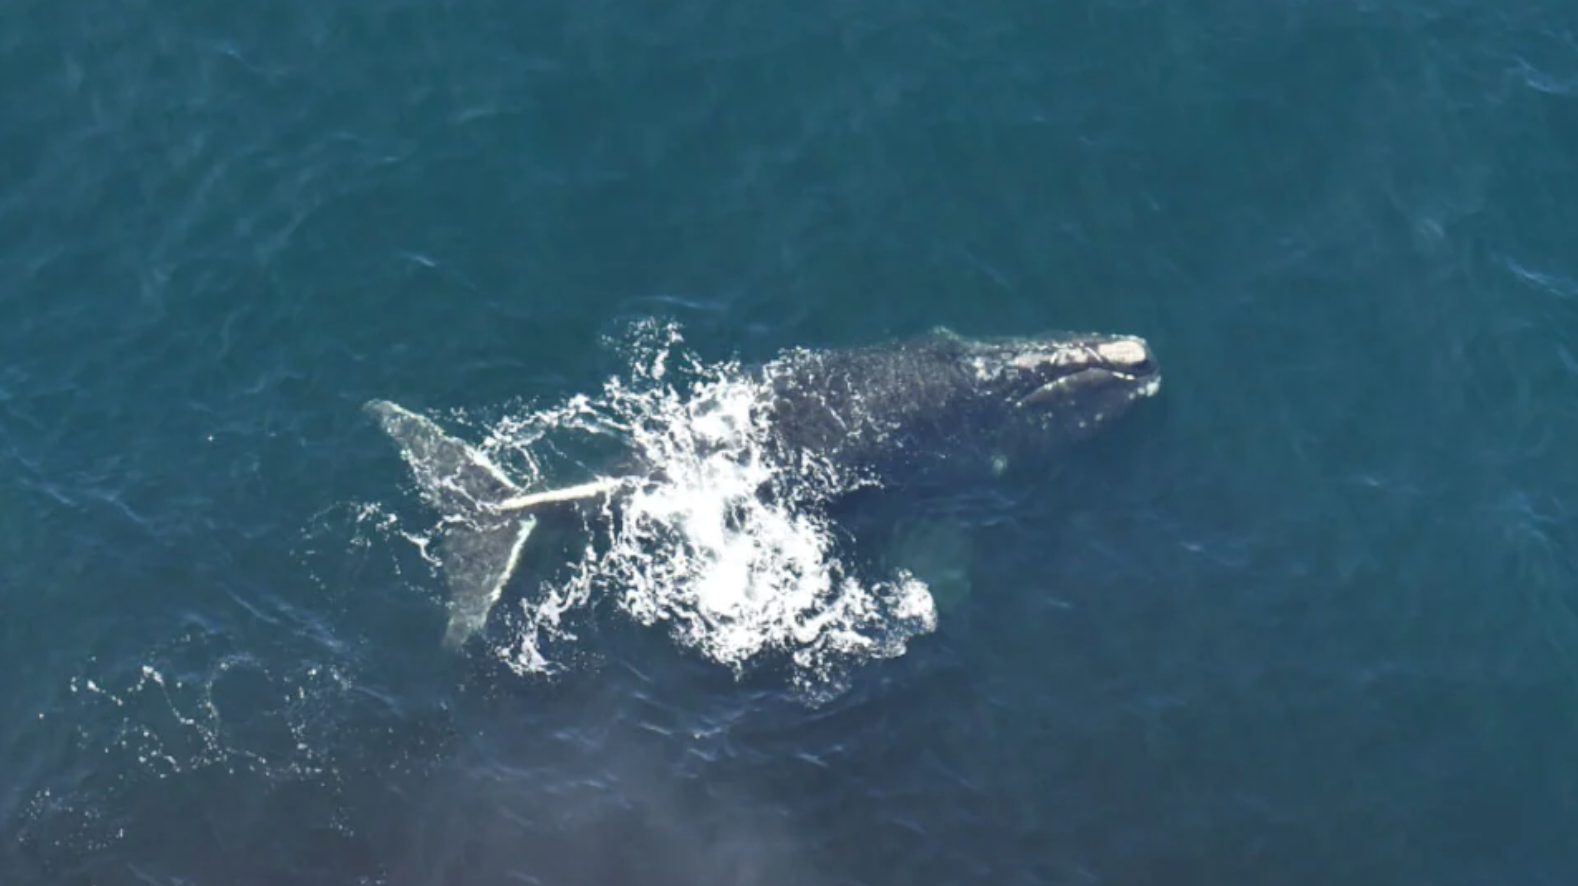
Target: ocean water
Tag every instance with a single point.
(1309, 617)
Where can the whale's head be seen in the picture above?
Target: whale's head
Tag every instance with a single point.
(1067, 386)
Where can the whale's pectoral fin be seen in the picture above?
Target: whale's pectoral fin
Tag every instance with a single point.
(485, 524)
(938, 553)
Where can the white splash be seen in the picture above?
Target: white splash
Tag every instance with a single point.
(719, 541)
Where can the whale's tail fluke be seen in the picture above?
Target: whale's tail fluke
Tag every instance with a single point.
(478, 546)
(486, 519)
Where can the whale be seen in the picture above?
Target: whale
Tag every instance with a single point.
(934, 408)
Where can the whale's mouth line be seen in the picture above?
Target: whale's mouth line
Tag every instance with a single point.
(1083, 378)
(1068, 383)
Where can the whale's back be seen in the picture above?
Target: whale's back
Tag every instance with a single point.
(886, 409)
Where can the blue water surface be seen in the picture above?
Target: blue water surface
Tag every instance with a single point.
(1309, 618)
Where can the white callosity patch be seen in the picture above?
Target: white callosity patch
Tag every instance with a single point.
(1122, 352)
(717, 539)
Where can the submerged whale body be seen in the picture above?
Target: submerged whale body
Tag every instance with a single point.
(937, 405)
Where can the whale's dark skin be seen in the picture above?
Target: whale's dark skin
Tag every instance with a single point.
(941, 405)
(934, 407)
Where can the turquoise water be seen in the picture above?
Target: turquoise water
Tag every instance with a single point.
(1310, 617)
